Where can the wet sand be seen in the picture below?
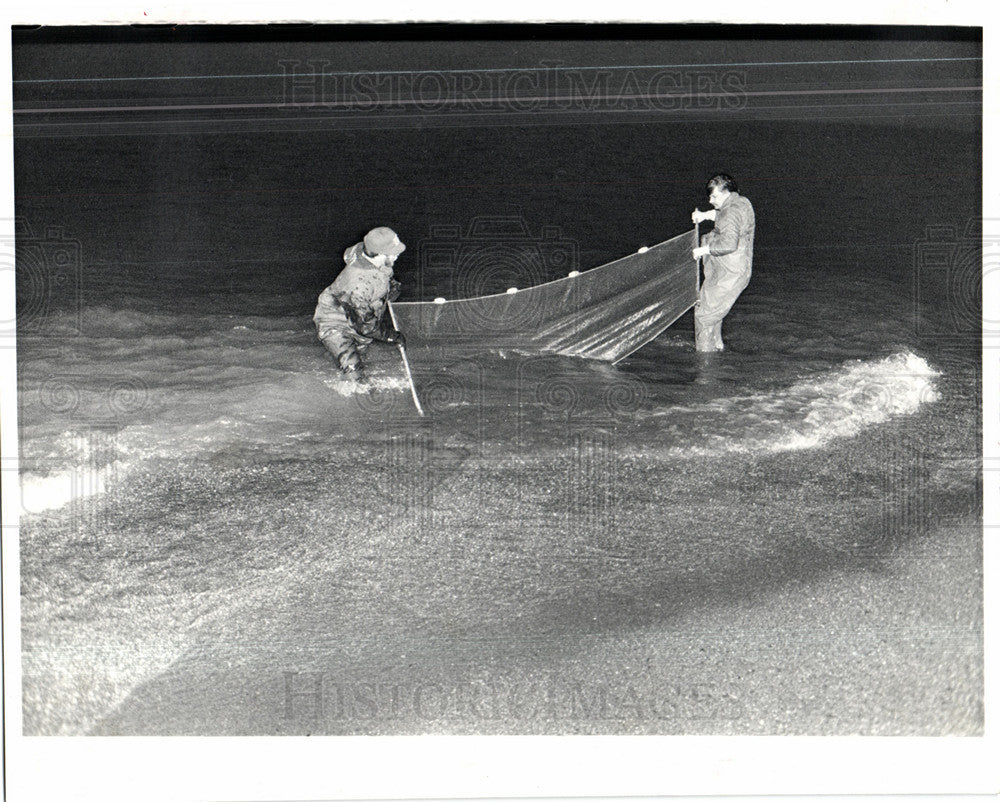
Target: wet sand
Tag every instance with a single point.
(749, 594)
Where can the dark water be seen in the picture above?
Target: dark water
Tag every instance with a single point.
(197, 479)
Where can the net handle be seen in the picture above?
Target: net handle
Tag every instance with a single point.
(697, 243)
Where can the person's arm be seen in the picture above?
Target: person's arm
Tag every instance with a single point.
(725, 237)
(359, 311)
(697, 217)
(362, 318)
(386, 331)
(394, 290)
(371, 318)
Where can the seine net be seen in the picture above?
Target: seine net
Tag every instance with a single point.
(603, 313)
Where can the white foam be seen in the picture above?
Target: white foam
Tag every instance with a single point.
(347, 388)
(812, 412)
(43, 493)
(863, 395)
(69, 467)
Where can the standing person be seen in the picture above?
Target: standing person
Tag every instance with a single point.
(352, 311)
(728, 252)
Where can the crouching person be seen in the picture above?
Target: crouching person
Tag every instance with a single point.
(353, 310)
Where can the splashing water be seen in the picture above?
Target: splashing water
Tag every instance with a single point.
(812, 412)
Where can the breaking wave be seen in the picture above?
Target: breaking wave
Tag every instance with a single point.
(812, 412)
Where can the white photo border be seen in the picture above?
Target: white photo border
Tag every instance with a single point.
(440, 767)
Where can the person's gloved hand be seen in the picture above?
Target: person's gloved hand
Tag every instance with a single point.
(699, 216)
(394, 290)
(697, 253)
(388, 333)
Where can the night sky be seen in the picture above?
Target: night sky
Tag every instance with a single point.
(230, 65)
(245, 156)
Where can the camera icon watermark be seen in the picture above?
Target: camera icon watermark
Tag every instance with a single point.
(956, 270)
(479, 272)
(48, 276)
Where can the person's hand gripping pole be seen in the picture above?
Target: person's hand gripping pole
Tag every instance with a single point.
(700, 250)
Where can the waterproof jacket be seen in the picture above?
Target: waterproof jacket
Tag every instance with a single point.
(730, 242)
(359, 293)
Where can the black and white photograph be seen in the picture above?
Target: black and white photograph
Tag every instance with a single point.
(495, 379)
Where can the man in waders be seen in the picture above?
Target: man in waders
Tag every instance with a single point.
(728, 252)
(352, 311)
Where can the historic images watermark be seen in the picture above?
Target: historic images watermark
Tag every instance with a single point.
(551, 87)
(318, 698)
(956, 268)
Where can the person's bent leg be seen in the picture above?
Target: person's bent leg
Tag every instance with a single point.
(341, 344)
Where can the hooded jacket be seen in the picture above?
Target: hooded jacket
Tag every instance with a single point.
(359, 292)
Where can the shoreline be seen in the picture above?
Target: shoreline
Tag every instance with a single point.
(736, 573)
